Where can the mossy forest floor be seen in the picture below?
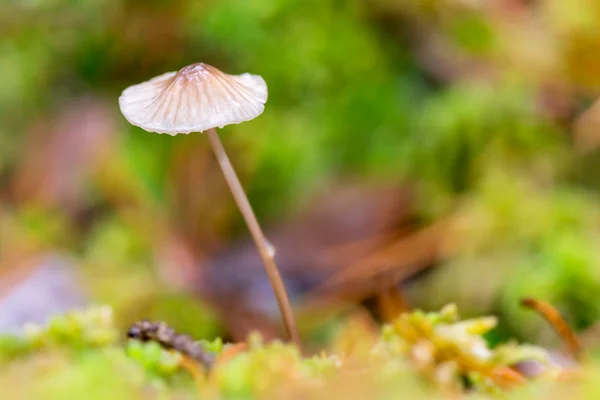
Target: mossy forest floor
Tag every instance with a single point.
(82, 355)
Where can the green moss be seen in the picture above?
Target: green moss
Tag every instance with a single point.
(421, 352)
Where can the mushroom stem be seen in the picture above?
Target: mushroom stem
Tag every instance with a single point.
(264, 248)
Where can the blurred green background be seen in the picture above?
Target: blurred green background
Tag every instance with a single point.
(484, 109)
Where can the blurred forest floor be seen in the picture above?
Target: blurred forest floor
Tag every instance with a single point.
(412, 153)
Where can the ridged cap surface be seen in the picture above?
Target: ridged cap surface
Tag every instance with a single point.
(196, 98)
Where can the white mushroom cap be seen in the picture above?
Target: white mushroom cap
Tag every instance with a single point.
(196, 98)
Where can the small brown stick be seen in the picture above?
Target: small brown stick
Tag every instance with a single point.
(556, 320)
(391, 303)
(166, 336)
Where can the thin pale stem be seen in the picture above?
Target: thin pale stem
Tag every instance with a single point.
(264, 248)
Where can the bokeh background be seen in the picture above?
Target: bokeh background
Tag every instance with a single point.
(412, 153)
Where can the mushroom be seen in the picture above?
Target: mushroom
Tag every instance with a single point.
(200, 98)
